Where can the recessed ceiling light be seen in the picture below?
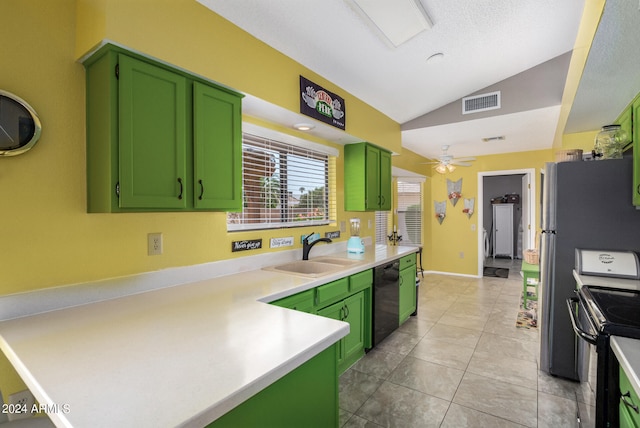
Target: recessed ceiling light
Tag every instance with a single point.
(435, 58)
(304, 126)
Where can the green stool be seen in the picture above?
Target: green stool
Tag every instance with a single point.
(530, 278)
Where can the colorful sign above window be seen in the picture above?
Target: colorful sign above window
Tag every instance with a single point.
(318, 103)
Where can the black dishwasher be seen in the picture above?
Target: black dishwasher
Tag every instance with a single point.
(386, 301)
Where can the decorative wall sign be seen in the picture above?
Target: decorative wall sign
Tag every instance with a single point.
(281, 242)
(318, 103)
(332, 235)
(454, 190)
(441, 210)
(249, 244)
(468, 206)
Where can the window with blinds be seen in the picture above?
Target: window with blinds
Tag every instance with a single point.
(410, 212)
(283, 186)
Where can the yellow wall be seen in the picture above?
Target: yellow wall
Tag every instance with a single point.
(579, 140)
(455, 235)
(48, 238)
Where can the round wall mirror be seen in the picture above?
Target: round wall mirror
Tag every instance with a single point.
(19, 125)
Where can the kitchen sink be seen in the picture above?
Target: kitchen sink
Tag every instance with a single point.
(337, 261)
(306, 268)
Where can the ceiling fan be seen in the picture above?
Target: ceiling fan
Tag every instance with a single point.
(447, 163)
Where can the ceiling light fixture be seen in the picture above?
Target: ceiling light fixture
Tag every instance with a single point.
(304, 126)
(444, 168)
(397, 20)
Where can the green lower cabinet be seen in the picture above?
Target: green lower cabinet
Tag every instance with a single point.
(629, 403)
(305, 397)
(351, 310)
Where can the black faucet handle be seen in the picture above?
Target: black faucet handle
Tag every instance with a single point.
(306, 238)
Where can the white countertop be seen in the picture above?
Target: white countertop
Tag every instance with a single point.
(605, 281)
(627, 352)
(179, 355)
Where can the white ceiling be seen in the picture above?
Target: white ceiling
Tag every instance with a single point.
(484, 42)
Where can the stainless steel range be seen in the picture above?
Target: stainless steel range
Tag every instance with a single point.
(598, 312)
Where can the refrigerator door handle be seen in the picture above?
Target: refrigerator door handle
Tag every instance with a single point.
(590, 338)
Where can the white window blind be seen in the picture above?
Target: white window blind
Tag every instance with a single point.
(410, 212)
(283, 186)
(381, 227)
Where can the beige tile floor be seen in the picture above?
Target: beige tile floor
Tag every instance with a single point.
(461, 362)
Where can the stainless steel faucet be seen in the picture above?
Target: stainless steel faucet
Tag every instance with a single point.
(306, 246)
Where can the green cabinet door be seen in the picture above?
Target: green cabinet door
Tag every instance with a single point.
(407, 293)
(354, 342)
(635, 115)
(336, 312)
(385, 181)
(351, 310)
(372, 177)
(217, 149)
(152, 136)
(629, 402)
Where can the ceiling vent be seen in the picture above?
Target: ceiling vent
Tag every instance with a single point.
(478, 103)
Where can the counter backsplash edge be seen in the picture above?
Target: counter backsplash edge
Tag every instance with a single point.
(20, 305)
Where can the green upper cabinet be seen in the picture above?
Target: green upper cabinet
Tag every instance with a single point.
(367, 178)
(217, 154)
(152, 138)
(158, 138)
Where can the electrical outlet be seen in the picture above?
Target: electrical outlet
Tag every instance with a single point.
(21, 404)
(154, 244)
(461, 255)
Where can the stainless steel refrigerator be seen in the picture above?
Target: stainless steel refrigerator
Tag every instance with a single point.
(584, 205)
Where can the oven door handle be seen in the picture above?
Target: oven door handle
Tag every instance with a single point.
(591, 338)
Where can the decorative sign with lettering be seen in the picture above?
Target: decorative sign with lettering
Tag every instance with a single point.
(250, 244)
(281, 242)
(318, 103)
(332, 235)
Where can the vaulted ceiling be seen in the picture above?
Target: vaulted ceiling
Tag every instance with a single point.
(522, 49)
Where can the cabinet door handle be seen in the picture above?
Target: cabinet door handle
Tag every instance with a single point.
(201, 189)
(638, 189)
(625, 399)
(346, 310)
(180, 182)
(401, 280)
(383, 200)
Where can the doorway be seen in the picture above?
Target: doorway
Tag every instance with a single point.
(527, 192)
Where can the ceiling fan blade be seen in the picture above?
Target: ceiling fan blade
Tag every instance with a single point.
(461, 163)
(465, 159)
